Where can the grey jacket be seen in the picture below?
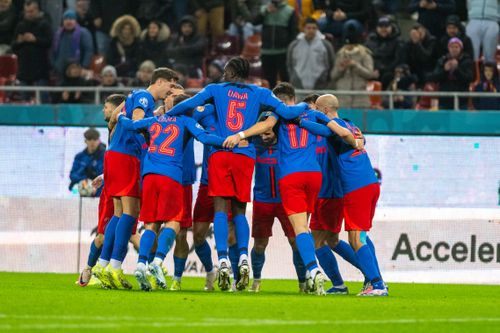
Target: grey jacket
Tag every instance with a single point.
(310, 62)
(484, 10)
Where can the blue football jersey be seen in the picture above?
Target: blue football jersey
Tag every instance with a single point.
(266, 174)
(129, 142)
(169, 136)
(237, 107)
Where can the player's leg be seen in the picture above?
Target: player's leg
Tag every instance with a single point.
(124, 229)
(258, 256)
(146, 244)
(181, 252)
(263, 214)
(233, 252)
(165, 241)
(329, 264)
(221, 244)
(94, 253)
(242, 232)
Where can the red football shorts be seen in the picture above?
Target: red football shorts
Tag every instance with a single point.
(359, 207)
(187, 199)
(162, 199)
(327, 215)
(204, 207)
(230, 175)
(122, 174)
(299, 191)
(106, 211)
(263, 217)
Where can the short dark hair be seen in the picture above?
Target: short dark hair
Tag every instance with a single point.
(32, 2)
(115, 99)
(164, 73)
(311, 98)
(177, 86)
(284, 89)
(91, 134)
(310, 20)
(180, 98)
(240, 67)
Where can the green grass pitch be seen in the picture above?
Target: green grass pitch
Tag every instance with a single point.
(52, 302)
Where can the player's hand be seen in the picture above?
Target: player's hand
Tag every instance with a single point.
(231, 141)
(160, 111)
(97, 181)
(360, 144)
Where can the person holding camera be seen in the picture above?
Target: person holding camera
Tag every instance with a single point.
(88, 164)
(431, 14)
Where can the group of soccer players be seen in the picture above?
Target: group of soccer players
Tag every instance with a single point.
(306, 160)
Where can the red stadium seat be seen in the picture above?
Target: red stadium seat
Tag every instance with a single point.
(227, 45)
(97, 63)
(194, 83)
(375, 100)
(427, 102)
(255, 67)
(8, 67)
(252, 47)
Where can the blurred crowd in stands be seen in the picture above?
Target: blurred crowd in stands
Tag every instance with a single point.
(446, 45)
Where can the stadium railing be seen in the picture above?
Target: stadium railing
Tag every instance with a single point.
(456, 95)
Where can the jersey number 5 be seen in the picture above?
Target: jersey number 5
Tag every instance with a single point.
(292, 135)
(234, 117)
(156, 130)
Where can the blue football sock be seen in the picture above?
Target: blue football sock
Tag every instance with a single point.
(367, 263)
(109, 239)
(305, 245)
(179, 265)
(151, 257)
(94, 254)
(372, 248)
(165, 242)
(300, 268)
(123, 232)
(221, 233)
(258, 260)
(242, 233)
(205, 254)
(329, 264)
(234, 257)
(147, 242)
(345, 250)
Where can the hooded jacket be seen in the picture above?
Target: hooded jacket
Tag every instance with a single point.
(155, 49)
(354, 77)
(187, 50)
(124, 53)
(421, 57)
(466, 41)
(310, 62)
(433, 20)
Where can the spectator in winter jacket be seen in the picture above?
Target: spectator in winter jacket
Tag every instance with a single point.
(88, 163)
(431, 14)
(483, 27)
(124, 50)
(353, 68)
(73, 42)
(109, 78)
(339, 12)
(144, 75)
(187, 47)
(215, 72)
(242, 13)
(279, 29)
(152, 10)
(153, 44)
(453, 72)
(73, 78)
(419, 53)
(8, 21)
(209, 13)
(489, 83)
(85, 19)
(403, 80)
(386, 49)
(454, 28)
(310, 58)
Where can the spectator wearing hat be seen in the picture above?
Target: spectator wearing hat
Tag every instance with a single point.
(109, 78)
(454, 28)
(71, 41)
(419, 53)
(144, 74)
(154, 43)
(340, 12)
(88, 163)
(453, 72)
(353, 68)
(483, 27)
(310, 58)
(489, 83)
(215, 72)
(187, 47)
(279, 29)
(32, 40)
(124, 50)
(431, 14)
(386, 49)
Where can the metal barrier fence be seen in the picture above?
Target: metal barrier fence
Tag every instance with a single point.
(38, 90)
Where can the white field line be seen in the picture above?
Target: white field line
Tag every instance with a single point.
(116, 322)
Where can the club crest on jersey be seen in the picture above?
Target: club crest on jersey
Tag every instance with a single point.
(143, 101)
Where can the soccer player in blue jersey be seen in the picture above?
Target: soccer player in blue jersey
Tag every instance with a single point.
(299, 178)
(122, 176)
(361, 191)
(237, 106)
(162, 182)
(267, 205)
